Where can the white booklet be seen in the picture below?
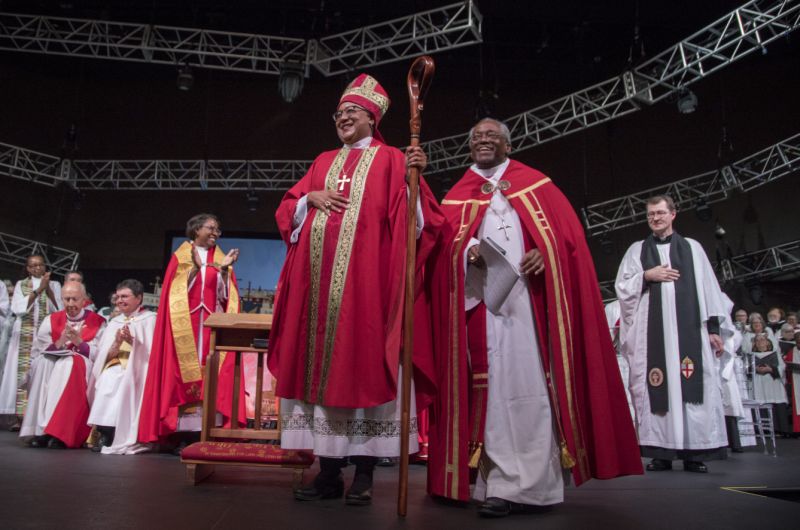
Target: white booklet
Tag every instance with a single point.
(504, 274)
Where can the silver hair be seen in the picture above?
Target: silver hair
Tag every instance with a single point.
(504, 130)
(80, 285)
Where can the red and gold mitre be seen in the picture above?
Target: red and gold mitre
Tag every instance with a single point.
(366, 92)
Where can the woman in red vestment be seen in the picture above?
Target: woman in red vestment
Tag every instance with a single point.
(199, 280)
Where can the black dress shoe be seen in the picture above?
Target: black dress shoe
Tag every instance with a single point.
(39, 442)
(55, 443)
(659, 464)
(695, 467)
(360, 492)
(321, 489)
(105, 439)
(494, 507)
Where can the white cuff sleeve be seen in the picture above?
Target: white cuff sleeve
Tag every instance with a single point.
(300, 214)
(420, 217)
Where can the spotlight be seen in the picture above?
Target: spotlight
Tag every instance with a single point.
(702, 210)
(755, 291)
(252, 201)
(719, 232)
(687, 101)
(77, 200)
(606, 245)
(290, 81)
(185, 78)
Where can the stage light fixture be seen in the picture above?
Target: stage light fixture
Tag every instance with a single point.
(185, 78)
(719, 231)
(607, 245)
(687, 101)
(290, 81)
(252, 201)
(703, 210)
(756, 291)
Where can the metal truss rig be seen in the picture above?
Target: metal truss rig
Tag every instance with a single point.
(248, 175)
(753, 171)
(761, 263)
(444, 28)
(747, 29)
(15, 249)
(757, 265)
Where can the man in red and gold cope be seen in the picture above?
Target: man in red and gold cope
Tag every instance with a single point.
(199, 280)
(530, 384)
(337, 328)
(61, 366)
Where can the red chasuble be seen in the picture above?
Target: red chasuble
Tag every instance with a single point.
(68, 421)
(590, 410)
(337, 326)
(174, 373)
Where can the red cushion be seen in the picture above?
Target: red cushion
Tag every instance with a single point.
(246, 453)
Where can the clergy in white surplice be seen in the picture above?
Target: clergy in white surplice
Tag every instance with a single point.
(58, 404)
(673, 322)
(729, 370)
(34, 298)
(119, 371)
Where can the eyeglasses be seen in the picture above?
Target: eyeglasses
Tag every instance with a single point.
(213, 229)
(489, 135)
(347, 112)
(659, 213)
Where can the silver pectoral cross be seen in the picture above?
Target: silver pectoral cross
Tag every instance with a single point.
(342, 181)
(504, 227)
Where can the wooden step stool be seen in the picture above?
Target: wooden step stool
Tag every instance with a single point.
(234, 334)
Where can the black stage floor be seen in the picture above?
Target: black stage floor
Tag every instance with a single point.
(64, 489)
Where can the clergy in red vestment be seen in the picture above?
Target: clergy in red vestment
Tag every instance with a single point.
(529, 383)
(337, 328)
(61, 363)
(199, 281)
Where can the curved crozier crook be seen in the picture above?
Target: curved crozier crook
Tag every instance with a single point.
(420, 76)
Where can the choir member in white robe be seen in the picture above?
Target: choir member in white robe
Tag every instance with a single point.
(731, 398)
(757, 325)
(34, 298)
(119, 371)
(769, 381)
(674, 377)
(6, 322)
(58, 406)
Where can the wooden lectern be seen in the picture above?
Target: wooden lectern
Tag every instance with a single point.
(235, 334)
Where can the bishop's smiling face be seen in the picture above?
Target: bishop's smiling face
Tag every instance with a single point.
(488, 145)
(353, 123)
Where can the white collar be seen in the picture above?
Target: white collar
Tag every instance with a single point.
(361, 144)
(493, 173)
(80, 316)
